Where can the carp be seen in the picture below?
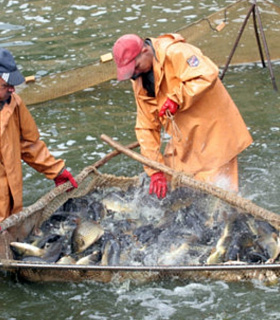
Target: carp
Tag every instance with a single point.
(50, 253)
(116, 204)
(86, 234)
(91, 259)
(66, 260)
(111, 253)
(175, 256)
(25, 249)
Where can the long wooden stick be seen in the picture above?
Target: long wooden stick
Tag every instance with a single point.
(266, 48)
(258, 38)
(253, 9)
(229, 197)
(237, 41)
(39, 204)
(112, 154)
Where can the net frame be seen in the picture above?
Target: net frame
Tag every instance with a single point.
(18, 226)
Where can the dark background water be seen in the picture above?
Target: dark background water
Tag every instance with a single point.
(50, 36)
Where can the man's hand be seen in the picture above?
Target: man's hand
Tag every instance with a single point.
(158, 185)
(168, 105)
(64, 177)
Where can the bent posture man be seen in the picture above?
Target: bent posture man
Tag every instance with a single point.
(176, 87)
(19, 139)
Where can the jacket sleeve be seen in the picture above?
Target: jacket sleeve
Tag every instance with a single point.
(148, 129)
(189, 74)
(33, 150)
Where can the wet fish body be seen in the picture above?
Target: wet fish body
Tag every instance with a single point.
(66, 260)
(25, 249)
(115, 229)
(54, 250)
(86, 233)
(91, 259)
(50, 253)
(175, 256)
(111, 253)
(117, 206)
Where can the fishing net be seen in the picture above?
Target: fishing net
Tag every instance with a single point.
(215, 35)
(218, 44)
(187, 206)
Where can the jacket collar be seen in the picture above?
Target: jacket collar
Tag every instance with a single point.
(6, 113)
(160, 45)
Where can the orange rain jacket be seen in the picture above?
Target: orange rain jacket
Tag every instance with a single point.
(19, 139)
(209, 131)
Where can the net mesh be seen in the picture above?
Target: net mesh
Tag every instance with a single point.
(18, 226)
(203, 33)
(218, 44)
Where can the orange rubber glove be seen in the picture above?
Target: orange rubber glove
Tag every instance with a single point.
(64, 177)
(168, 105)
(158, 185)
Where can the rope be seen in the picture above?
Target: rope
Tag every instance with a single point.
(175, 133)
(175, 128)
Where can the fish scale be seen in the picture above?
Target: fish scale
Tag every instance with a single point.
(86, 233)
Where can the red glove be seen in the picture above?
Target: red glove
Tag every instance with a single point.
(168, 105)
(64, 177)
(158, 184)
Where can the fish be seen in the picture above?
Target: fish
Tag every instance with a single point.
(86, 233)
(50, 253)
(123, 228)
(97, 211)
(180, 204)
(267, 243)
(146, 233)
(238, 248)
(220, 250)
(33, 259)
(271, 246)
(242, 240)
(132, 251)
(26, 249)
(91, 259)
(111, 253)
(175, 256)
(59, 221)
(44, 240)
(118, 227)
(66, 260)
(116, 203)
(54, 250)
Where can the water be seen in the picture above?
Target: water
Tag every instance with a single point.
(52, 36)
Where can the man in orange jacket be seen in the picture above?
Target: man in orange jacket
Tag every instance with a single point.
(19, 140)
(177, 88)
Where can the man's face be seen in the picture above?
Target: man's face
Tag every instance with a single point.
(5, 90)
(143, 62)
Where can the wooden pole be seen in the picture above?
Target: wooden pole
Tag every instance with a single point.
(17, 218)
(227, 196)
(258, 38)
(266, 49)
(253, 9)
(237, 41)
(112, 154)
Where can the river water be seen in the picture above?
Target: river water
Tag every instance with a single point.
(52, 36)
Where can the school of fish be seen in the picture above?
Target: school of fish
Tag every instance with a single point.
(110, 227)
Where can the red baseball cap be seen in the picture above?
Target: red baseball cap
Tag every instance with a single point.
(125, 50)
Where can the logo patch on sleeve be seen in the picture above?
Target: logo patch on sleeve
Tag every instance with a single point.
(193, 61)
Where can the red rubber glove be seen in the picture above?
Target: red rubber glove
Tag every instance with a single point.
(158, 185)
(64, 177)
(168, 105)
